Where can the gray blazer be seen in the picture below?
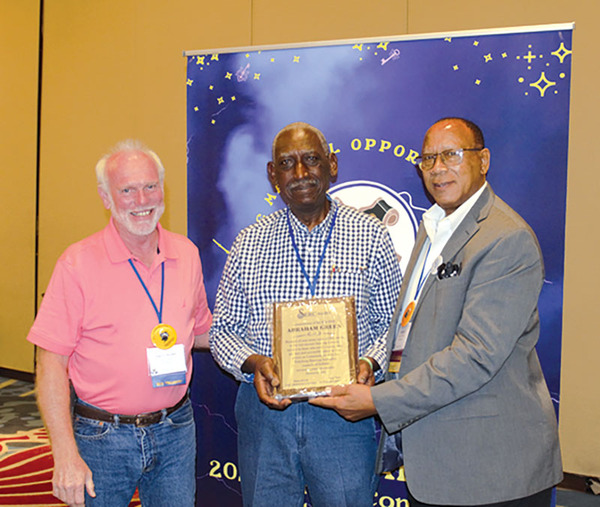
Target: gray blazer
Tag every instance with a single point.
(477, 421)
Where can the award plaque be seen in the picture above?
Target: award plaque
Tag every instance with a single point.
(314, 345)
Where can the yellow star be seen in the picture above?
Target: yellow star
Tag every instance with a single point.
(357, 46)
(189, 82)
(488, 57)
(228, 75)
(233, 98)
(561, 52)
(477, 82)
(220, 100)
(542, 84)
(272, 60)
(211, 87)
(455, 67)
(383, 45)
(196, 108)
(200, 60)
(476, 43)
(215, 57)
(448, 39)
(213, 121)
(504, 55)
(296, 59)
(257, 76)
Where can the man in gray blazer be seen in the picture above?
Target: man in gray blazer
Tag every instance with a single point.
(464, 387)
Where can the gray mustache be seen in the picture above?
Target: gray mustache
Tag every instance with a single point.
(302, 183)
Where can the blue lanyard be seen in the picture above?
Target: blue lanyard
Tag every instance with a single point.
(162, 289)
(311, 285)
(422, 276)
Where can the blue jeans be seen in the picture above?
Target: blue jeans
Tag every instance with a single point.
(159, 459)
(282, 452)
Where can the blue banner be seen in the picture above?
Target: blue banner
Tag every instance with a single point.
(373, 100)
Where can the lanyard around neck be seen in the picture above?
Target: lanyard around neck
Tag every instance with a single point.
(423, 275)
(162, 289)
(312, 285)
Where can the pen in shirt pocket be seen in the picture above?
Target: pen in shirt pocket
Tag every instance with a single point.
(338, 269)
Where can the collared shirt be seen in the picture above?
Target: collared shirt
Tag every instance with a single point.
(262, 268)
(439, 228)
(96, 312)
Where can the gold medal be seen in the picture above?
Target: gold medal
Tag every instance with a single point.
(408, 313)
(164, 336)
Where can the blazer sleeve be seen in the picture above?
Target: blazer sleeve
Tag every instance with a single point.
(471, 326)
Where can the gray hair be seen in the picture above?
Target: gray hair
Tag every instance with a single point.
(304, 126)
(125, 146)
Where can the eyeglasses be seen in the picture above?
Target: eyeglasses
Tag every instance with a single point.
(450, 158)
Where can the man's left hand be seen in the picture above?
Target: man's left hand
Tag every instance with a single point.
(366, 375)
(353, 402)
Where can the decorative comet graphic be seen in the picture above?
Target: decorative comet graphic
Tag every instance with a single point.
(242, 74)
(394, 55)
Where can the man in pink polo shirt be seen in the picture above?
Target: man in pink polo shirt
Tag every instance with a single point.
(118, 322)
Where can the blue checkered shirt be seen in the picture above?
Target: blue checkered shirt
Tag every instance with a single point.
(262, 268)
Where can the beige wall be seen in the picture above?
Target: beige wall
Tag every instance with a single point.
(114, 69)
(19, 43)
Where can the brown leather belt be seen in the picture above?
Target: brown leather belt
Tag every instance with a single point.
(138, 420)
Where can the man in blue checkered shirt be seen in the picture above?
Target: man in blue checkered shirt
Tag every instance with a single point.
(315, 248)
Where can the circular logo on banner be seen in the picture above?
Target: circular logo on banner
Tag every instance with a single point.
(386, 205)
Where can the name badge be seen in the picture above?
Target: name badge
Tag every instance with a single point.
(399, 344)
(167, 367)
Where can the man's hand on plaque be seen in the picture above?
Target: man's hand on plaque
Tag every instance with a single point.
(353, 401)
(265, 379)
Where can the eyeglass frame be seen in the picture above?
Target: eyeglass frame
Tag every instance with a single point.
(442, 155)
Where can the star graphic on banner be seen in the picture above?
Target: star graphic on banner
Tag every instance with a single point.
(561, 53)
(189, 82)
(215, 57)
(448, 39)
(476, 43)
(228, 75)
(233, 99)
(296, 59)
(478, 82)
(357, 46)
(196, 108)
(200, 60)
(504, 55)
(529, 57)
(272, 60)
(382, 45)
(257, 76)
(247, 55)
(488, 57)
(455, 67)
(213, 121)
(211, 87)
(542, 84)
(220, 100)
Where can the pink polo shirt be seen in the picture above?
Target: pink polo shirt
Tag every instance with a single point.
(96, 311)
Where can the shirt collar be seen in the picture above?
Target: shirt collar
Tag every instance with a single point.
(435, 218)
(300, 227)
(118, 252)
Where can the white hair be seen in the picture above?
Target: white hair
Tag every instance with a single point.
(122, 147)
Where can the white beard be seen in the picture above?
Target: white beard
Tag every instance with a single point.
(125, 219)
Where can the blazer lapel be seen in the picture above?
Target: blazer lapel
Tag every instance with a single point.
(463, 233)
(421, 237)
